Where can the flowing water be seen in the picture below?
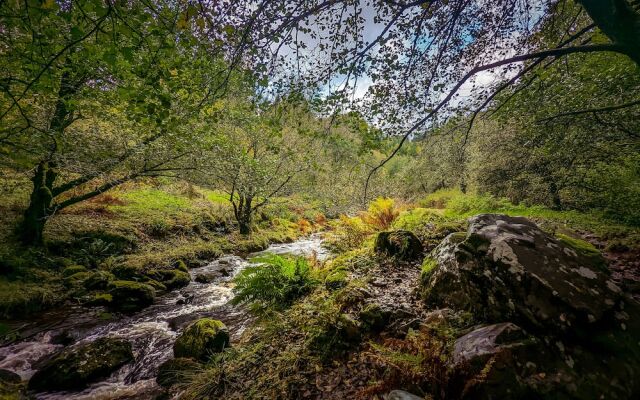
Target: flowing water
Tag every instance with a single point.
(151, 331)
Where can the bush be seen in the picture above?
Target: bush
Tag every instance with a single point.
(275, 283)
(349, 233)
(381, 213)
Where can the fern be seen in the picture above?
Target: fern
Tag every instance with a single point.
(275, 282)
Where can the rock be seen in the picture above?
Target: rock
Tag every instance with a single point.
(173, 371)
(582, 331)
(129, 296)
(99, 280)
(78, 278)
(127, 272)
(507, 269)
(205, 278)
(74, 368)
(64, 338)
(74, 269)
(9, 377)
(403, 245)
(11, 387)
(402, 395)
(171, 278)
(374, 318)
(479, 345)
(181, 266)
(498, 362)
(201, 338)
(98, 299)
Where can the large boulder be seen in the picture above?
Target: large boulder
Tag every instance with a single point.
(75, 367)
(174, 370)
(171, 278)
(201, 339)
(501, 361)
(401, 244)
(582, 330)
(10, 385)
(129, 296)
(508, 269)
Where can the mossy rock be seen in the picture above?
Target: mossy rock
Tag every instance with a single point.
(173, 371)
(336, 280)
(585, 249)
(127, 272)
(10, 385)
(76, 367)
(181, 266)
(402, 245)
(201, 339)
(72, 270)
(171, 278)
(79, 278)
(129, 296)
(99, 280)
(99, 299)
(158, 286)
(374, 318)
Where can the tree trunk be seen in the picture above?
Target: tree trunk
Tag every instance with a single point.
(620, 21)
(36, 215)
(244, 215)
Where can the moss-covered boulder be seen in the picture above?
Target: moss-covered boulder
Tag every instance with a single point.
(98, 299)
(201, 339)
(73, 269)
(129, 296)
(173, 371)
(171, 278)
(373, 317)
(99, 280)
(402, 245)
(127, 272)
(76, 367)
(10, 385)
(78, 278)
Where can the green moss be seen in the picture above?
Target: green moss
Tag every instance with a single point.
(579, 245)
(18, 298)
(181, 266)
(131, 296)
(99, 280)
(78, 278)
(201, 339)
(428, 265)
(74, 269)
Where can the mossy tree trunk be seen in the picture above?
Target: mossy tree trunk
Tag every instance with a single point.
(39, 209)
(243, 212)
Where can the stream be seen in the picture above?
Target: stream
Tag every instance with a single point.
(151, 331)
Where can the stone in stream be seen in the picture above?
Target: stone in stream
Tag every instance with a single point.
(201, 339)
(76, 367)
(403, 245)
(10, 385)
(173, 371)
(129, 296)
(171, 278)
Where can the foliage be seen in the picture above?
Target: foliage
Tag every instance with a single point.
(275, 282)
(381, 213)
(347, 233)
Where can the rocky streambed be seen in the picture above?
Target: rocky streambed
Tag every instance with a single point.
(150, 332)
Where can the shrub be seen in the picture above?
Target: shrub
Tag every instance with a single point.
(381, 213)
(274, 283)
(349, 233)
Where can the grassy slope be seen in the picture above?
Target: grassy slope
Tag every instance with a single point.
(151, 224)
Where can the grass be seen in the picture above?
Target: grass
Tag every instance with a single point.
(141, 225)
(455, 205)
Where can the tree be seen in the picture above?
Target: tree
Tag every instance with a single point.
(94, 94)
(255, 152)
(422, 56)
